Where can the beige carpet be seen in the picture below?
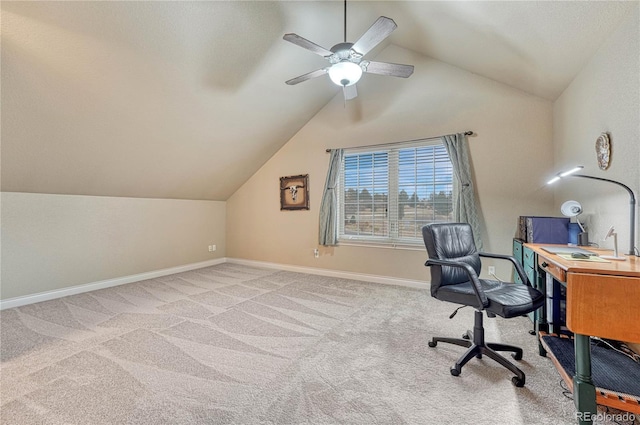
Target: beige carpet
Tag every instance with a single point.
(232, 344)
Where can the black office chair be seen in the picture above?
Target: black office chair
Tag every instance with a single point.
(455, 266)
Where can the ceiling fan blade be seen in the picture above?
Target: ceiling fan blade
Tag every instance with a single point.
(303, 42)
(307, 76)
(377, 32)
(384, 68)
(350, 92)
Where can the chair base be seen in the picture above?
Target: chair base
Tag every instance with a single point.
(477, 347)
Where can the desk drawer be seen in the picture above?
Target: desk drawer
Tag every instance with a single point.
(517, 250)
(528, 257)
(552, 269)
(516, 278)
(531, 275)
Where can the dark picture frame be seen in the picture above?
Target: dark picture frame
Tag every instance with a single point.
(294, 192)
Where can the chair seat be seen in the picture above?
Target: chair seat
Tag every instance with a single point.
(505, 299)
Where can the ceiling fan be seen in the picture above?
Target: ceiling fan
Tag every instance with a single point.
(346, 59)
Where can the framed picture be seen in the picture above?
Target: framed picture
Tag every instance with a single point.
(294, 192)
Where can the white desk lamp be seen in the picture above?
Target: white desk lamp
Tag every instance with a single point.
(610, 233)
(632, 200)
(574, 209)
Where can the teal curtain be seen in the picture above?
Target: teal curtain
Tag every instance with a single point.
(329, 206)
(464, 201)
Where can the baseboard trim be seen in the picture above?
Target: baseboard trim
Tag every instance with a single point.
(59, 293)
(79, 289)
(333, 273)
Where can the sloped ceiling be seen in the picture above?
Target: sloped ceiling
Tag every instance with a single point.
(187, 100)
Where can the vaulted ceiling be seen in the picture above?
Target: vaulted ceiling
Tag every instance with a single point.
(187, 100)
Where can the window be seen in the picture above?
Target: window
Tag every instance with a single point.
(388, 194)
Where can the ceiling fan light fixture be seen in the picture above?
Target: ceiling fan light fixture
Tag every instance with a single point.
(345, 73)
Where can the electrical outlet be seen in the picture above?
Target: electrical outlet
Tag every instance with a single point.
(210, 248)
(492, 270)
(316, 253)
(213, 248)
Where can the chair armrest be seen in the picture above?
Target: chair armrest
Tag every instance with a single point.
(518, 266)
(473, 277)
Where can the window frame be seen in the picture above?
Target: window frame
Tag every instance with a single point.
(392, 151)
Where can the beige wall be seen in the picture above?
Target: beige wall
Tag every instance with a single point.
(604, 97)
(51, 242)
(510, 152)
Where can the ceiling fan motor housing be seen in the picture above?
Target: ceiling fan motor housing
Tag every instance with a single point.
(342, 52)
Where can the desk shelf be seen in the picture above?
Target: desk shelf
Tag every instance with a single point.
(556, 306)
(616, 376)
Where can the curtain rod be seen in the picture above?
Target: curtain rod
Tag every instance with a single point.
(466, 133)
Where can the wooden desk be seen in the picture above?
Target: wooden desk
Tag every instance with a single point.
(602, 300)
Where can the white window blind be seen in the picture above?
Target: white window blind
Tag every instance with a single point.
(388, 194)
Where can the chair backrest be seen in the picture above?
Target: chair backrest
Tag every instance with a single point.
(450, 241)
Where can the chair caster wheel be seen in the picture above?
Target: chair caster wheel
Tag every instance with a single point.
(432, 344)
(466, 335)
(517, 381)
(455, 371)
(532, 332)
(517, 356)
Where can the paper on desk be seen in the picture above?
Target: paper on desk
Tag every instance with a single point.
(592, 258)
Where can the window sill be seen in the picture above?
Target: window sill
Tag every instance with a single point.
(385, 245)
